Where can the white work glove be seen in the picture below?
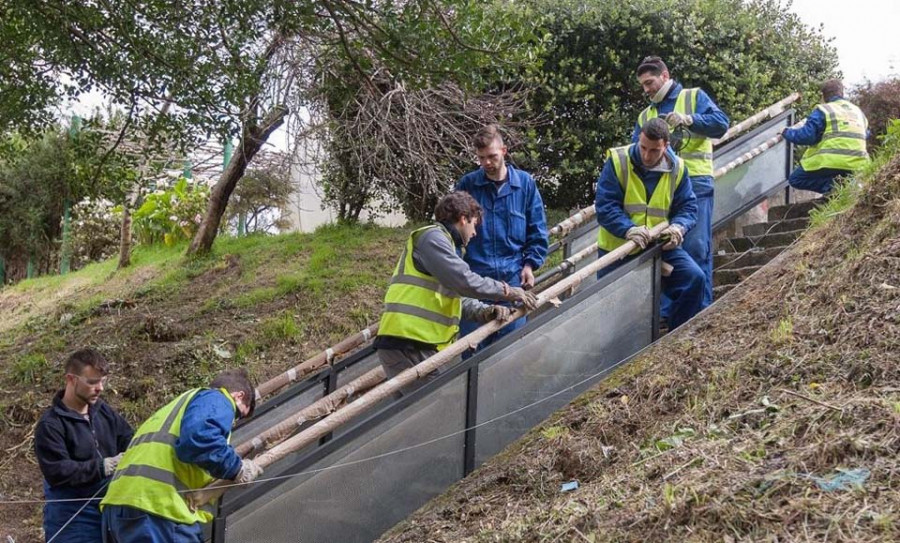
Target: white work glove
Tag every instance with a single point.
(517, 294)
(640, 235)
(110, 463)
(250, 470)
(675, 233)
(676, 119)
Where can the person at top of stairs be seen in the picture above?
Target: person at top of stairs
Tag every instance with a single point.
(700, 119)
(641, 186)
(836, 132)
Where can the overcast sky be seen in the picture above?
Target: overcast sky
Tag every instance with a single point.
(865, 33)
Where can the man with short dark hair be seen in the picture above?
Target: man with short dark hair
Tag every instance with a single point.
(836, 132)
(512, 239)
(432, 288)
(699, 120)
(183, 446)
(640, 186)
(78, 442)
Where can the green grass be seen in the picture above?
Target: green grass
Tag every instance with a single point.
(841, 199)
(281, 328)
(30, 369)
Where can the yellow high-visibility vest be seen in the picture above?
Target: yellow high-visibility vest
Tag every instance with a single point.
(697, 153)
(150, 477)
(642, 212)
(843, 144)
(416, 305)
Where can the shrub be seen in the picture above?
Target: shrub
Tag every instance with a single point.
(171, 215)
(881, 103)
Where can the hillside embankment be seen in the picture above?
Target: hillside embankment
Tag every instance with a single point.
(773, 416)
(168, 324)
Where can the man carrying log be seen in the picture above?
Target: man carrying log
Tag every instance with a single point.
(433, 288)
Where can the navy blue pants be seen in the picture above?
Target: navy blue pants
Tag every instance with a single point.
(128, 525)
(514, 279)
(821, 181)
(684, 287)
(85, 525)
(698, 241)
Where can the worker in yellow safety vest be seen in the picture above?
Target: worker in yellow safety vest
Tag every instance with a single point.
(836, 133)
(182, 447)
(641, 186)
(698, 119)
(432, 288)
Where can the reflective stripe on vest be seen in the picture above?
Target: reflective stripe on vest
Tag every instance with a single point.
(642, 212)
(151, 478)
(416, 305)
(698, 152)
(843, 143)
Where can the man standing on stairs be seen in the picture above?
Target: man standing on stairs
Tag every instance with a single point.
(424, 302)
(642, 185)
(700, 120)
(836, 132)
(183, 446)
(513, 239)
(78, 443)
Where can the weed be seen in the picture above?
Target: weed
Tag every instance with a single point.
(551, 433)
(282, 328)
(841, 199)
(30, 369)
(784, 332)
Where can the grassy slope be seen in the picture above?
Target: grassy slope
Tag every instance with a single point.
(167, 324)
(720, 431)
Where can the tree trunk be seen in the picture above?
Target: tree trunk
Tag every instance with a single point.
(252, 140)
(125, 236)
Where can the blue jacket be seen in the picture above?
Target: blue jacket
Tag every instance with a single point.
(811, 132)
(610, 199)
(709, 120)
(70, 449)
(205, 428)
(513, 231)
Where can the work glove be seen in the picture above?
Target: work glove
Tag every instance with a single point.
(527, 299)
(110, 463)
(640, 235)
(675, 234)
(676, 119)
(250, 470)
(496, 313)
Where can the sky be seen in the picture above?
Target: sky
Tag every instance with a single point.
(864, 31)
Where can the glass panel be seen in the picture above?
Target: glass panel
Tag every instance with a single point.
(359, 502)
(754, 179)
(597, 332)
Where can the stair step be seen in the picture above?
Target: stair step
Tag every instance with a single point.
(771, 240)
(755, 257)
(732, 276)
(718, 292)
(775, 227)
(793, 211)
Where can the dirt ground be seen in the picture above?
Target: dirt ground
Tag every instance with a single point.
(774, 416)
(161, 343)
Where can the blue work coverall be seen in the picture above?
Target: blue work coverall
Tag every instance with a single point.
(70, 450)
(822, 180)
(684, 287)
(512, 233)
(203, 441)
(712, 122)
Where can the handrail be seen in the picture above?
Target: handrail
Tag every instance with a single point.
(752, 153)
(406, 377)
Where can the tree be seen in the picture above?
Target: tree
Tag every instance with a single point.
(237, 67)
(262, 195)
(880, 102)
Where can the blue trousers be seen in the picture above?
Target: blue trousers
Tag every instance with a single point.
(684, 287)
(128, 525)
(85, 525)
(821, 181)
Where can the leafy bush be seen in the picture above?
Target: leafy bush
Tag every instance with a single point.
(881, 103)
(171, 215)
(95, 231)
